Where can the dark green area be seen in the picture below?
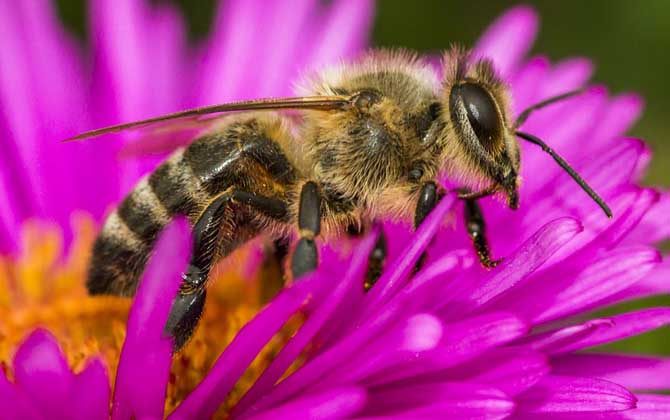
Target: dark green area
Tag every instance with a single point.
(629, 42)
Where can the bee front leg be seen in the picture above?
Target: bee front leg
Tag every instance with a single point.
(476, 227)
(305, 257)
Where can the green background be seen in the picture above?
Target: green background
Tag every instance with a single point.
(629, 42)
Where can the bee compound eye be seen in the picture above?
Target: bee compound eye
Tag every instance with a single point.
(482, 113)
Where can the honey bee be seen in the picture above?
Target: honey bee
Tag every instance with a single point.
(367, 142)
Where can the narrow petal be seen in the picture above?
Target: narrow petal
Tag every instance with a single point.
(526, 259)
(89, 397)
(565, 394)
(624, 326)
(654, 283)
(650, 407)
(398, 271)
(655, 224)
(509, 38)
(560, 340)
(41, 371)
(331, 358)
(14, 404)
(620, 114)
(525, 83)
(453, 400)
(249, 341)
(557, 293)
(343, 33)
(144, 365)
(333, 404)
(323, 313)
(640, 373)
(460, 342)
(401, 344)
(512, 370)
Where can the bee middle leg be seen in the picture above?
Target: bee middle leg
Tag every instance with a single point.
(305, 257)
(188, 306)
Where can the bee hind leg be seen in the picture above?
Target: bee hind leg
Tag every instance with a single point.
(188, 305)
(187, 308)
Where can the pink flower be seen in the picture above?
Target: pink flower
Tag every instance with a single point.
(454, 340)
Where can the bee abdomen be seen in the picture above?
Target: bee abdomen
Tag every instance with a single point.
(129, 234)
(118, 259)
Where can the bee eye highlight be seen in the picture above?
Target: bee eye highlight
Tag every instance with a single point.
(481, 112)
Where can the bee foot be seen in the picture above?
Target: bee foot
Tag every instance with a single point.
(184, 316)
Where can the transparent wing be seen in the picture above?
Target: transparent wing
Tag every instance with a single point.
(204, 117)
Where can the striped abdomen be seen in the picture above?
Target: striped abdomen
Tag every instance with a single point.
(243, 155)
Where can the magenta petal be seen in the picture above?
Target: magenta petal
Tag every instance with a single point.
(654, 226)
(619, 116)
(248, 342)
(405, 342)
(640, 373)
(624, 326)
(89, 397)
(14, 404)
(650, 407)
(337, 403)
(42, 372)
(397, 272)
(512, 370)
(509, 38)
(316, 320)
(561, 340)
(550, 296)
(565, 394)
(452, 400)
(526, 259)
(460, 342)
(344, 33)
(146, 356)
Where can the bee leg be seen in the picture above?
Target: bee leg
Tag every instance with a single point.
(428, 199)
(376, 259)
(376, 262)
(273, 268)
(476, 227)
(188, 305)
(305, 257)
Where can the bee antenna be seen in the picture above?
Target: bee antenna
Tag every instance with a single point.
(526, 112)
(567, 168)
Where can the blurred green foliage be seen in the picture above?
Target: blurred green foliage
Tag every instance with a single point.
(629, 42)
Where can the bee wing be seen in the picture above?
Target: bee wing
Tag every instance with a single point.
(199, 118)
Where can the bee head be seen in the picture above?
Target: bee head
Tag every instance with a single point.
(477, 137)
